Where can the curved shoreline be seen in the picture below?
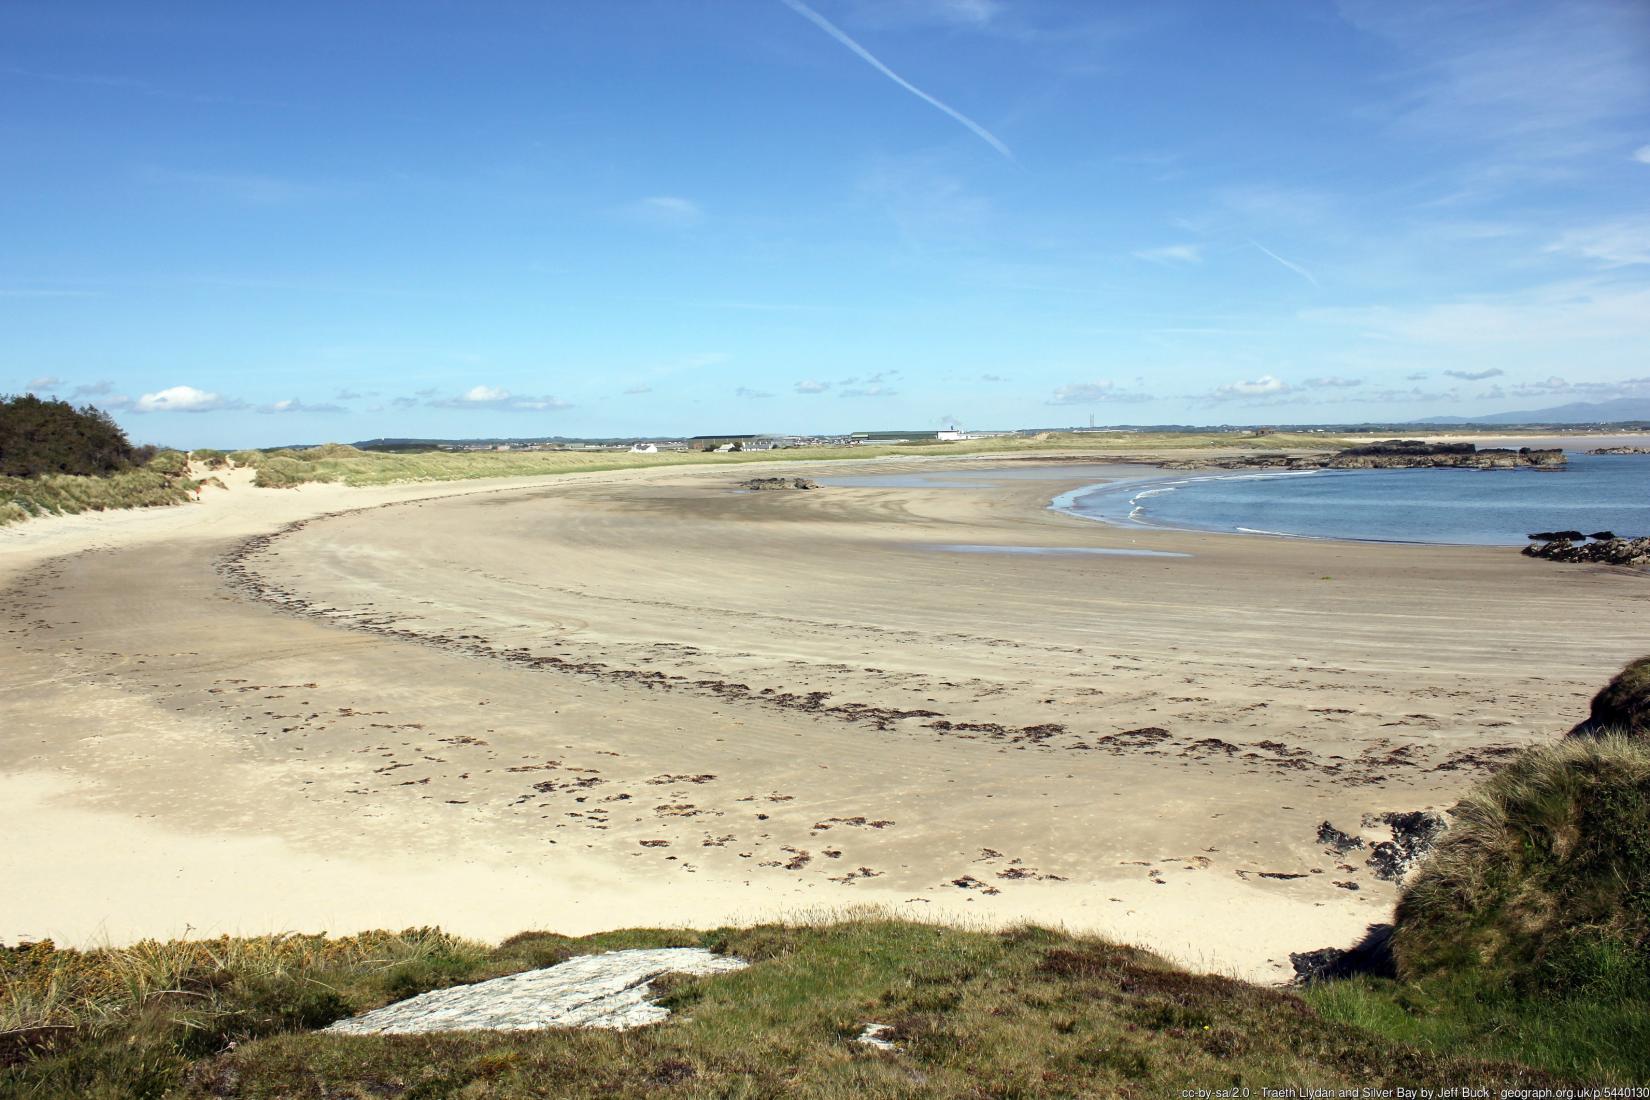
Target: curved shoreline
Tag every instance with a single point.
(1139, 518)
(800, 704)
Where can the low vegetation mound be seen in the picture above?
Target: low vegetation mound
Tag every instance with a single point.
(1027, 1012)
(1541, 886)
(1623, 706)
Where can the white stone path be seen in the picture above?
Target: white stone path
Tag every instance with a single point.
(607, 990)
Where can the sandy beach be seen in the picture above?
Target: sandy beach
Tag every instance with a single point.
(648, 698)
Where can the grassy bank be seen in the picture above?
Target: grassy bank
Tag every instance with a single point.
(340, 463)
(68, 494)
(1028, 1012)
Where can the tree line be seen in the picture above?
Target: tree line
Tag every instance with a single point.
(53, 437)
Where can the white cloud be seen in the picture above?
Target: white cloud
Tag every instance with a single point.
(1265, 386)
(1332, 382)
(746, 392)
(1642, 154)
(666, 211)
(1172, 254)
(1476, 375)
(94, 389)
(1090, 393)
(182, 399)
(811, 386)
(293, 405)
(868, 391)
(45, 383)
(498, 398)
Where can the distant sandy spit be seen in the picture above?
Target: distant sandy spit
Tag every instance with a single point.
(620, 699)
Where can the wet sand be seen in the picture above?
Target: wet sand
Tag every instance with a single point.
(648, 698)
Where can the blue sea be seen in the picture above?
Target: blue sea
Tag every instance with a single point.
(1481, 507)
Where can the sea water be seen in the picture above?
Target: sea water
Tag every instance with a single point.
(1437, 505)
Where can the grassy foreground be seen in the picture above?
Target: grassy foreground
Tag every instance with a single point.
(1026, 1012)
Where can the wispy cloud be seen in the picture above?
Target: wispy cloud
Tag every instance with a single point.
(1265, 386)
(1614, 244)
(812, 386)
(1540, 81)
(1172, 254)
(667, 211)
(1332, 382)
(45, 383)
(749, 394)
(1642, 154)
(248, 189)
(1093, 393)
(1291, 265)
(293, 405)
(1476, 375)
(870, 59)
(867, 391)
(634, 391)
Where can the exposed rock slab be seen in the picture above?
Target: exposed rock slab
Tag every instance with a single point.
(762, 483)
(610, 990)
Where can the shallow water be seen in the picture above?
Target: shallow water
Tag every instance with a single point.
(1478, 507)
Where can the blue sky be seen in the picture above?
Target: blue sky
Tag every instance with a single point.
(238, 224)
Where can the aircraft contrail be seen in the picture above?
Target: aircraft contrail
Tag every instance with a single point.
(1296, 268)
(870, 59)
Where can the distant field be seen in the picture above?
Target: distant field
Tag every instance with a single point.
(339, 463)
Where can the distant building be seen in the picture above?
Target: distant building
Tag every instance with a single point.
(731, 443)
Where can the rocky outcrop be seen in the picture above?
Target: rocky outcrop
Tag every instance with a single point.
(760, 483)
(1391, 454)
(609, 990)
(1620, 451)
(1411, 452)
(1413, 834)
(1601, 548)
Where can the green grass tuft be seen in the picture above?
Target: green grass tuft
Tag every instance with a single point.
(1025, 1012)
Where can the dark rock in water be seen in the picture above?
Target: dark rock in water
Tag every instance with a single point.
(1602, 551)
(1602, 535)
(1371, 955)
(1622, 706)
(1620, 451)
(778, 483)
(1554, 536)
(1413, 833)
(1334, 838)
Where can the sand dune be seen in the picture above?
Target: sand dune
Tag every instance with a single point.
(650, 699)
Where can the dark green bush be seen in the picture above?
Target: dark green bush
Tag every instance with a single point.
(53, 437)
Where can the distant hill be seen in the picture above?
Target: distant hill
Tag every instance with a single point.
(1580, 412)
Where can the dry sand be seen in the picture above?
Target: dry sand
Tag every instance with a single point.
(647, 699)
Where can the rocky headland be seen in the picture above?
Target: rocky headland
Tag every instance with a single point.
(1391, 454)
(1620, 451)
